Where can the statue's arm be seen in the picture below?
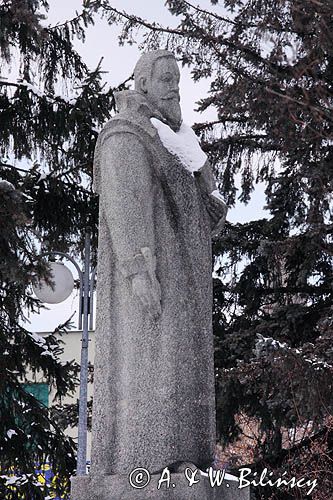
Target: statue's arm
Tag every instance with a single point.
(126, 196)
(213, 201)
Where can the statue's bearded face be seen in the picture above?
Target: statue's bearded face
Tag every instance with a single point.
(163, 90)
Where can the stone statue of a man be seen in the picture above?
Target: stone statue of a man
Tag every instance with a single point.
(154, 376)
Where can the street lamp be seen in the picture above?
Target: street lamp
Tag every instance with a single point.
(63, 287)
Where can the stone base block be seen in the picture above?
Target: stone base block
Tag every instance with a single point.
(118, 487)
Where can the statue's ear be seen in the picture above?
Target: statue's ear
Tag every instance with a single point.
(143, 84)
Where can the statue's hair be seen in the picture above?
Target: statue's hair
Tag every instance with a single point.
(145, 65)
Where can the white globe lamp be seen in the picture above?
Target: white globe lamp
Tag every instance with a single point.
(63, 281)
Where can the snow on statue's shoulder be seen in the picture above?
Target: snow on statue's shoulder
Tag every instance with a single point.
(184, 144)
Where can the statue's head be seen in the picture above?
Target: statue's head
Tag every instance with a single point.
(157, 76)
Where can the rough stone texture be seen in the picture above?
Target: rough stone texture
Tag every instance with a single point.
(117, 487)
(154, 379)
(154, 401)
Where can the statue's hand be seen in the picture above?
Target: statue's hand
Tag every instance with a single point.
(148, 292)
(217, 211)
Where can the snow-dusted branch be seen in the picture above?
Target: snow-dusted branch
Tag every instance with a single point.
(266, 345)
(36, 91)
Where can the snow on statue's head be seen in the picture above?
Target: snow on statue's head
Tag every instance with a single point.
(157, 76)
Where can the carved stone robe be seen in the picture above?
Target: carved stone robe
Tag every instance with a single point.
(154, 400)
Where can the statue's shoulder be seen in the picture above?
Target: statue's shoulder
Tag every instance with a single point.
(126, 122)
(133, 118)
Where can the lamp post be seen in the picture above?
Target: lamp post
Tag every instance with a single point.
(58, 294)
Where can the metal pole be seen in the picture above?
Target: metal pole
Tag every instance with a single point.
(91, 304)
(82, 431)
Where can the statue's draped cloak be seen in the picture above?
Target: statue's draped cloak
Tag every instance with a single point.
(154, 379)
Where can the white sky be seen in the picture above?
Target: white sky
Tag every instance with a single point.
(101, 41)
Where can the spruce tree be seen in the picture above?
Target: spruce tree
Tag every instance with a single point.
(51, 107)
(270, 64)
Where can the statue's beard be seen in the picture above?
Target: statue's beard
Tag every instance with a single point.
(170, 110)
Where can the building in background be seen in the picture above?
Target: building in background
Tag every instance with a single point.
(72, 351)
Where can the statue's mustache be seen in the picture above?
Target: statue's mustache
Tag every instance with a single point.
(171, 95)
